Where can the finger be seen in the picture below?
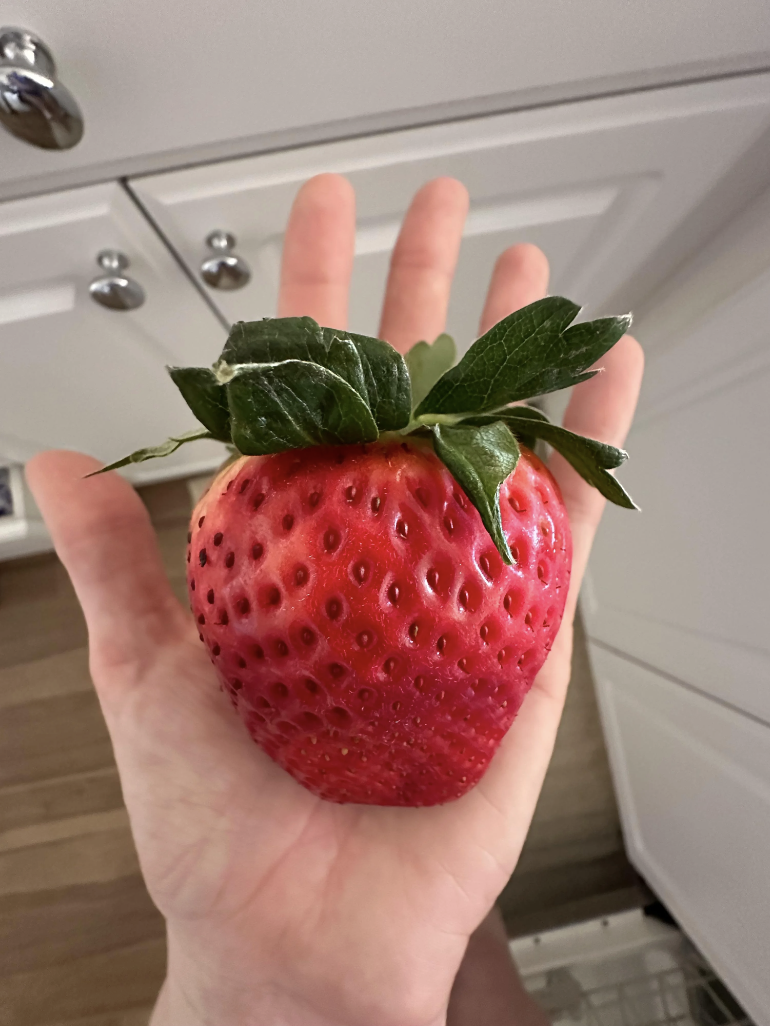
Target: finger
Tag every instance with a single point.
(103, 536)
(514, 779)
(318, 252)
(601, 408)
(423, 264)
(520, 277)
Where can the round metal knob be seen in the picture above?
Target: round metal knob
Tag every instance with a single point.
(33, 105)
(225, 270)
(114, 289)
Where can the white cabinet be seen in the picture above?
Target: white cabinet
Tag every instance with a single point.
(693, 778)
(683, 586)
(676, 605)
(74, 374)
(599, 185)
(164, 84)
(22, 530)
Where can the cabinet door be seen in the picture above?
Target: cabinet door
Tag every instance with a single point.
(600, 185)
(74, 374)
(693, 782)
(167, 83)
(683, 586)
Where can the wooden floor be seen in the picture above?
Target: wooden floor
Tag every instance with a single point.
(573, 865)
(80, 941)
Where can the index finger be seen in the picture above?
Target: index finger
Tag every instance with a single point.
(318, 250)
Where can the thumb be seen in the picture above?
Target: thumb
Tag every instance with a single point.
(103, 536)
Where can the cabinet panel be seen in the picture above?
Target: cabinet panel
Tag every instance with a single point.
(77, 375)
(683, 585)
(599, 185)
(693, 781)
(179, 80)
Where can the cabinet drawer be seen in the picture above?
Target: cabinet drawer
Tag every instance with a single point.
(74, 374)
(161, 84)
(693, 782)
(599, 185)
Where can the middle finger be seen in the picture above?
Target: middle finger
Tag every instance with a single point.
(423, 264)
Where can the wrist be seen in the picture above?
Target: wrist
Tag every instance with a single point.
(176, 1007)
(195, 993)
(188, 998)
(180, 1004)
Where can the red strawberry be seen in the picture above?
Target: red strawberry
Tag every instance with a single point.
(361, 618)
(381, 574)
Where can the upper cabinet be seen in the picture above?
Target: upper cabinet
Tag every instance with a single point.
(682, 586)
(79, 374)
(169, 83)
(600, 185)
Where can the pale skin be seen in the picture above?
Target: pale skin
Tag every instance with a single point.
(282, 909)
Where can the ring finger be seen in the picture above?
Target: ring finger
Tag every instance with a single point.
(520, 277)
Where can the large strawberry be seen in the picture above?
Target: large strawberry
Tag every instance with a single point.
(380, 575)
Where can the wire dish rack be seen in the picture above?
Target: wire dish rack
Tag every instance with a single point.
(624, 971)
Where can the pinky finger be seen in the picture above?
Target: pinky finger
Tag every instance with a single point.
(601, 408)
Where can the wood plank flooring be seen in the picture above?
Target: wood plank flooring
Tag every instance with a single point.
(573, 865)
(80, 942)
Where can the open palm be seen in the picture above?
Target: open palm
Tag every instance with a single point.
(283, 908)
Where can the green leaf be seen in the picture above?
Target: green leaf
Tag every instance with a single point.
(273, 339)
(206, 397)
(480, 459)
(591, 459)
(520, 410)
(370, 366)
(526, 412)
(386, 378)
(155, 451)
(488, 374)
(293, 405)
(427, 363)
(530, 352)
(277, 339)
(583, 345)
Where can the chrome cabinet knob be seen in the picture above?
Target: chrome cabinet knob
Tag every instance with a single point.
(114, 289)
(34, 106)
(224, 270)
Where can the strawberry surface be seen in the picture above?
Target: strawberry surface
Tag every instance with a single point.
(361, 617)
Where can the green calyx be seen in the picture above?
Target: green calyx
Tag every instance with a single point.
(287, 383)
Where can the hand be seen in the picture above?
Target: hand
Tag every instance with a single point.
(281, 908)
